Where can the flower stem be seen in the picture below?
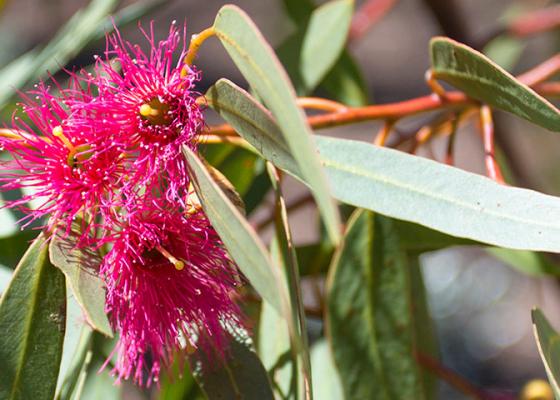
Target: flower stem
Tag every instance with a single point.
(196, 42)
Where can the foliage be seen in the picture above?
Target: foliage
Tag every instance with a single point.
(380, 207)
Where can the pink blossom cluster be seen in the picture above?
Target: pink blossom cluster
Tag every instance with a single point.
(106, 149)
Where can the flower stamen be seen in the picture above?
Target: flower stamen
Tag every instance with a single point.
(179, 265)
(58, 132)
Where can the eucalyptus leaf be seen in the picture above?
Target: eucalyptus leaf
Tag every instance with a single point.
(240, 375)
(324, 39)
(75, 378)
(480, 78)
(548, 343)
(369, 314)
(404, 186)
(32, 325)
(275, 352)
(81, 267)
(259, 65)
(238, 236)
(14, 246)
(326, 379)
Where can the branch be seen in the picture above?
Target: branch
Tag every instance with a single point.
(367, 15)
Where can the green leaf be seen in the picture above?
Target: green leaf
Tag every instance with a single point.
(369, 313)
(177, 382)
(32, 324)
(314, 258)
(345, 82)
(238, 236)
(81, 266)
(259, 65)
(404, 186)
(237, 164)
(299, 10)
(480, 78)
(528, 262)
(287, 259)
(326, 381)
(274, 351)
(418, 239)
(75, 378)
(505, 51)
(324, 39)
(69, 40)
(240, 375)
(14, 246)
(425, 338)
(548, 343)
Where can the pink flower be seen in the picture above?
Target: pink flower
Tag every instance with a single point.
(69, 167)
(169, 280)
(151, 98)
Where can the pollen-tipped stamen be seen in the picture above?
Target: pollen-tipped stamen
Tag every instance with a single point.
(59, 133)
(179, 265)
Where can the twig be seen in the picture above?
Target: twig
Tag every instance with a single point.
(449, 376)
(367, 15)
(317, 103)
(542, 20)
(381, 137)
(487, 130)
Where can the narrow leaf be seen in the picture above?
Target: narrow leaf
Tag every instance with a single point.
(238, 236)
(274, 351)
(548, 343)
(406, 187)
(239, 376)
(259, 65)
(32, 324)
(480, 78)
(81, 266)
(76, 374)
(326, 380)
(324, 39)
(369, 317)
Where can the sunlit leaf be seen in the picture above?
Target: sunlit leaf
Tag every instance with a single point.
(32, 324)
(259, 65)
(404, 186)
(369, 319)
(326, 381)
(274, 351)
(81, 267)
(548, 343)
(482, 79)
(238, 236)
(324, 39)
(76, 375)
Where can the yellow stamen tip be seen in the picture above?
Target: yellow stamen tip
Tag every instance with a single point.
(57, 131)
(146, 110)
(179, 265)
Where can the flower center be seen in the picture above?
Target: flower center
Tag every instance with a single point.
(155, 112)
